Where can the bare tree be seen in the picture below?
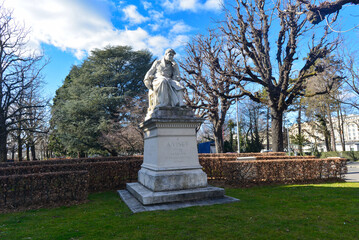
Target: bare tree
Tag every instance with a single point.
(251, 29)
(331, 77)
(210, 93)
(317, 13)
(37, 118)
(19, 68)
(352, 79)
(340, 123)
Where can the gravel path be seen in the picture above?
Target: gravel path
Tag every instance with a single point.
(353, 172)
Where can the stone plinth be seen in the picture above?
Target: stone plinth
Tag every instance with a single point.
(148, 197)
(170, 159)
(172, 179)
(171, 172)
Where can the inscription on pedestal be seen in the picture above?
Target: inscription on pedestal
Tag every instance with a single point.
(177, 151)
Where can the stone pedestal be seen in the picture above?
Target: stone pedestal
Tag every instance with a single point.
(171, 172)
(170, 159)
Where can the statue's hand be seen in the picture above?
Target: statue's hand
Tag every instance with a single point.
(148, 85)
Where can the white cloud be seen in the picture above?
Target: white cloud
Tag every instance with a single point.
(213, 4)
(180, 27)
(155, 27)
(192, 5)
(187, 4)
(133, 16)
(158, 20)
(146, 5)
(79, 27)
(179, 41)
(158, 44)
(156, 15)
(68, 25)
(174, 5)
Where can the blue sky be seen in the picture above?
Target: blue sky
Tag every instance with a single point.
(67, 30)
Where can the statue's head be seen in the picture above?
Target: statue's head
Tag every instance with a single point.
(169, 54)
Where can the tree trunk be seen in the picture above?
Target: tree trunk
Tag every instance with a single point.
(332, 135)
(32, 148)
(3, 137)
(19, 147)
(13, 153)
(299, 122)
(81, 154)
(3, 142)
(341, 127)
(218, 138)
(114, 153)
(277, 130)
(28, 152)
(231, 142)
(33, 151)
(327, 142)
(267, 130)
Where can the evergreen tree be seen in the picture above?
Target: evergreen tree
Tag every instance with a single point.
(93, 95)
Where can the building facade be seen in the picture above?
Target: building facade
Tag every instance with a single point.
(341, 133)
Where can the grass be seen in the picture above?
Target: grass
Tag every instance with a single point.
(316, 211)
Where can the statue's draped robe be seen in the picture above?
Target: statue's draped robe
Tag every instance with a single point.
(166, 89)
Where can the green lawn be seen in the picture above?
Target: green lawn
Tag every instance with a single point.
(320, 211)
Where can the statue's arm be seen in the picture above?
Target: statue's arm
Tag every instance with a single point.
(150, 75)
(176, 72)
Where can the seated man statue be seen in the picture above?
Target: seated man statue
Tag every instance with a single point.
(162, 80)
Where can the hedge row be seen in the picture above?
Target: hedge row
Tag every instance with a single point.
(45, 184)
(108, 175)
(350, 155)
(112, 175)
(70, 161)
(234, 158)
(241, 154)
(42, 189)
(275, 171)
(63, 181)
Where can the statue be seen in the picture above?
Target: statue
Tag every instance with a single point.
(162, 80)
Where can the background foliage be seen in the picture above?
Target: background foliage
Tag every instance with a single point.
(93, 104)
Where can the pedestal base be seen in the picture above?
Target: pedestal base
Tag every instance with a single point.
(135, 206)
(172, 179)
(148, 197)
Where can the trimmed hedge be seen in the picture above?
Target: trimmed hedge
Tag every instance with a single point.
(61, 181)
(70, 161)
(42, 189)
(234, 158)
(350, 155)
(112, 175)
(241, 154)
(213, 167)
(108, 175)
(277, 171)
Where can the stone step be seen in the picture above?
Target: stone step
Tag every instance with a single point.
(136, 207)
(148, 197)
